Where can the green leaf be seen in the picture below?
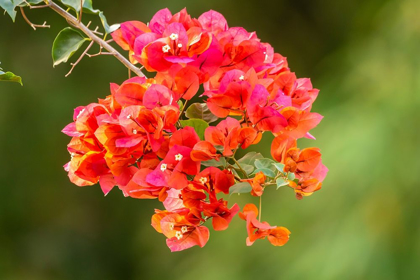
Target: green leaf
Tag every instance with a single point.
(242, 187)
(74, 4)
(34, 2)
(200, 111)
(88, 8)
(198, 125)
(291, 176)
(213, 162)
(67, 42)
(279, 166)
(266, 171)
(246, 167)
(10, 77)
(9, 7)
(281, 182)
(250, 158)
(108, 29)
(265, 163)
(181, 105)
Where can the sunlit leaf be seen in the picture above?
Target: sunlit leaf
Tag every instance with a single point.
(266, 171)
(67, 42)
(200, 111)
(291, 176)
(242, 187)
(9, 7)
(108, 29)
(213, 162)
(75, 5)
(88, 8)
(246, 167)
(198, 125)
(10, 77)
(250, 158)
(265, 163)
(279, 166)
(281, 182)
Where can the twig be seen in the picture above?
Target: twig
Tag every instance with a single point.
(240, 167)
(80, 58)
(81, 11)
(73, 21)
(96, 31)
(34, 26)
(98, 54)
(37, 7)
(259, 214)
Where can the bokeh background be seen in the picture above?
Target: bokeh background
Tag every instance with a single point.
(363, 224)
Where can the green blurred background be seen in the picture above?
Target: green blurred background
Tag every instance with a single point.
(363, 224)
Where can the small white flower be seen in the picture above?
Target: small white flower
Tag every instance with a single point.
(173, 36)
(172, 226)
(134, 131)
(184, 229)
(178, 157)
(163, 167)
(178, 235)
(242, 77)
(179, 45)
(128, 116)
(203, 180)
(166, 48)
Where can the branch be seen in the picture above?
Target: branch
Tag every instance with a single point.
(75, 22)
(80, 59)
(34, 26)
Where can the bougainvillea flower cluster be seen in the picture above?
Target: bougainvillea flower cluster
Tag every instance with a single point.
(216, 90)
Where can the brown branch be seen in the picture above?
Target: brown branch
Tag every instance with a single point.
(81, 11)
(34, 26)
(37, 7)
(96, 31)
(80, 59)
(79, 25)
(99, 53)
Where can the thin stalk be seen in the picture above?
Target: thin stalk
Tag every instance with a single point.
(240, 167)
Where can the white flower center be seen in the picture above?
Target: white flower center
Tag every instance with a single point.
(203, 180)
(184, 229)
(166, 48)
(242, 78)
(178, 157)
(178, 235)
(163, 167)
(173, 36)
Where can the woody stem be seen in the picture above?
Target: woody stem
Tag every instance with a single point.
(78, 24)
(240, 167)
